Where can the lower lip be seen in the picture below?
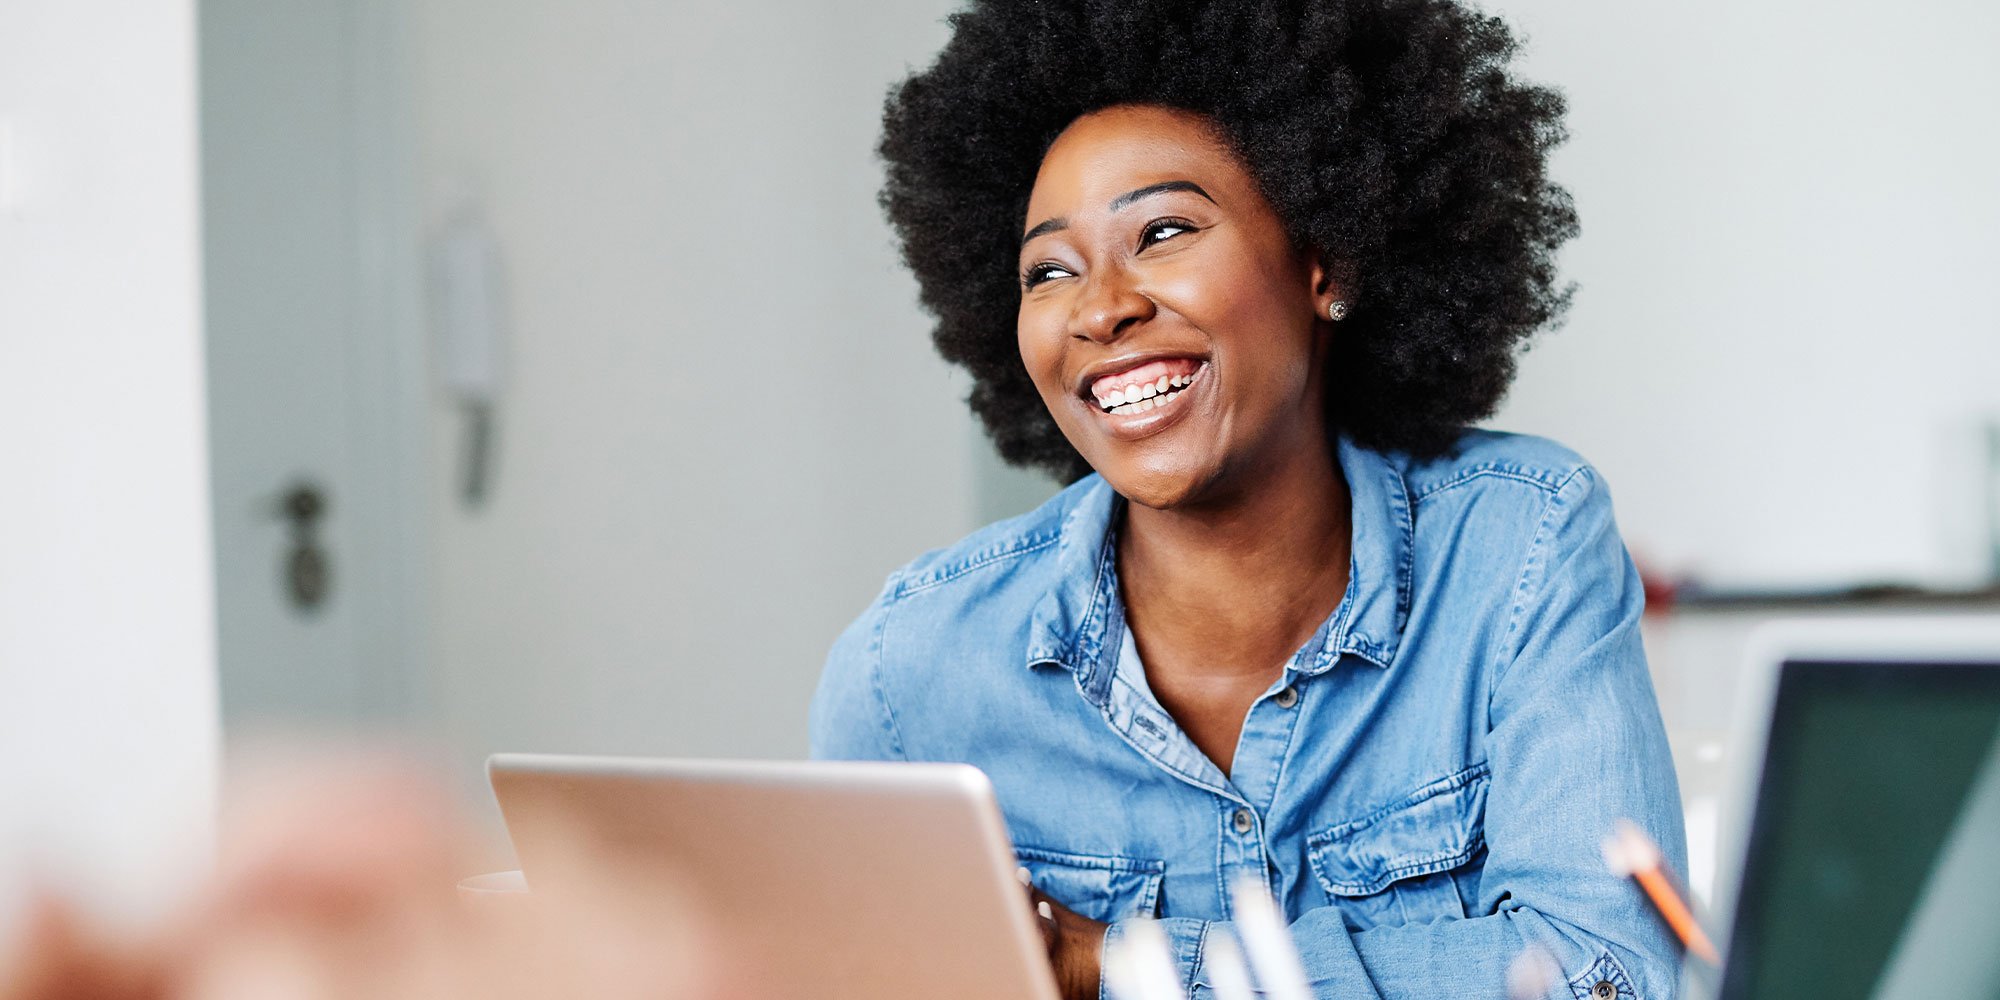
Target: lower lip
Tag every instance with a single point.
(1131, 426)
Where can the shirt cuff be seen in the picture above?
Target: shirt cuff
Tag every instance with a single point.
(1186, 936)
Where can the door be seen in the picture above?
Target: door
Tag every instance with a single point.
(315, 363)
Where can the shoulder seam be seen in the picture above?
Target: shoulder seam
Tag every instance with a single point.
(1499, 470)
(875, 672)
(1529, 564)
(980, 559)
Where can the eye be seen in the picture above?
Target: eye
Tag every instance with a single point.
(1161, 230)
(1044, 271)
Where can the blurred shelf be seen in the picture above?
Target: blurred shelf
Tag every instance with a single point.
(1882, 597)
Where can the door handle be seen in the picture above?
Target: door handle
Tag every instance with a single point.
(307, 572)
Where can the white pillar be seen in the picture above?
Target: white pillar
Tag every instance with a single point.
(108, 709)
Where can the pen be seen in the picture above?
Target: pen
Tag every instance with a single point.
(1273, 955)
(1225, 965)
(1139, 964)
(1630, 852)
(1532, 974)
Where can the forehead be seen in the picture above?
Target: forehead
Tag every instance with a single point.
(1107, 153)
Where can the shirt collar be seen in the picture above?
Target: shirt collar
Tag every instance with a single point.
(1080, 622)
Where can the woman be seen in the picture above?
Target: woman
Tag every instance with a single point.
(1245, 271)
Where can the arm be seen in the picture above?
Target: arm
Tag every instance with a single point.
(850, 717)
(1576, 742)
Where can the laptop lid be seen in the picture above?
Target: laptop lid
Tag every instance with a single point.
(820, 880)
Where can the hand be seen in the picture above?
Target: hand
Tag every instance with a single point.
(335, 881)
(1075, 943)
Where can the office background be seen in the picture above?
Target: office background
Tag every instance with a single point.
(717, 423)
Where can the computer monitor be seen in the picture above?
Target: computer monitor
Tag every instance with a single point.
(1870, 836)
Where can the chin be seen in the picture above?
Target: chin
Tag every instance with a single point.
(1163, 487)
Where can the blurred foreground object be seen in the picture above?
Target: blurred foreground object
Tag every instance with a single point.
(1629, 853)
(343, 886)
(1139, 964)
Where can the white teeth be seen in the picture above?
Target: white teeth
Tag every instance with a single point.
(1143, 405)
(1145, 396)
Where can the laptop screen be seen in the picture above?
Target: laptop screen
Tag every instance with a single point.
(1876, 824)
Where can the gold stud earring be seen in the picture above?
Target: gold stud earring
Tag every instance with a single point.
(1336, 310)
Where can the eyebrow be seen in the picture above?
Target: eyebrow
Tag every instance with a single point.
(1043, 228)
(1125, 200)
(1150, 190)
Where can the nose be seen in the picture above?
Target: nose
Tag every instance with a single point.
(1108, 306)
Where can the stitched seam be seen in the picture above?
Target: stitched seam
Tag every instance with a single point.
(1530, 563)
(1200, 956)
(1192, 779)
(979, 561)
(881, 689)
(1606, 969)
(1545, 480)
(1425, 867)
(1106, 557)
(1195, 965)
(1285, 759)
(1430, 790)
(1406, 566)
(1094, 862)
(1337, 638)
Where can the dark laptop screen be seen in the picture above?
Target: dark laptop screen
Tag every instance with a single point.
(1869, 769)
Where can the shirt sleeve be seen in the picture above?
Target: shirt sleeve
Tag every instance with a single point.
(850, 717)
(1576, 743)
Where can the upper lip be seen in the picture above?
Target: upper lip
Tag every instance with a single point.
(1125, 363)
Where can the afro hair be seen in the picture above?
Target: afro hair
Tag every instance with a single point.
(1388, 135)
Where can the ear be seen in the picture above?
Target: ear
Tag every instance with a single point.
(1332, 280)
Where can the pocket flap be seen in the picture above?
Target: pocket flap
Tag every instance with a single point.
(1436, 827)
(1101, 887)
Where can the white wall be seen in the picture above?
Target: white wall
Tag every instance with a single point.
(723, 423)
(1785, 323)
(107, 669)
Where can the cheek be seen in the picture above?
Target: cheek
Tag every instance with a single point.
(1038, 336)
(1262, 329)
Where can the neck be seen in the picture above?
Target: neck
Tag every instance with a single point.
(1247, 574)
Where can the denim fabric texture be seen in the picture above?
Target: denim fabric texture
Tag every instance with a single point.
(1425, 789)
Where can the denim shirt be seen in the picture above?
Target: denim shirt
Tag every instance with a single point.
(1426, 788)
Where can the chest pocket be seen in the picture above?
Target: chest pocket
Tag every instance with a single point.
(1101, 887)
(1408, 863)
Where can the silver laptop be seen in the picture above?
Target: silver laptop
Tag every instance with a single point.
(1866, 827)
(814, 881)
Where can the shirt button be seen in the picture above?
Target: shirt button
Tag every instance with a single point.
(1288, 697)
(1242, 821)
(1604, 990)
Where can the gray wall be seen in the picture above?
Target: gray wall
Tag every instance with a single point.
(723, 424)
(1783, 343)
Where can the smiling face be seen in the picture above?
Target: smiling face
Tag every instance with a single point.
(1173, 330)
